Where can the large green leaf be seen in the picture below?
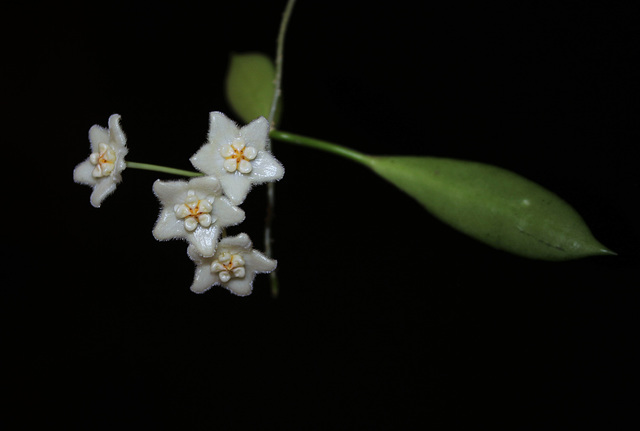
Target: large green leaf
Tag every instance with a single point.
(249, 85)
(493, 205)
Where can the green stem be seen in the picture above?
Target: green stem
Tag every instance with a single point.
(286, 15)
(318, 144)
(165, 169)
(271, 187)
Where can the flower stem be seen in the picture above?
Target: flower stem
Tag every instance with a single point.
(165, 169)
(286, 15)
(271, 187)
(318, 144)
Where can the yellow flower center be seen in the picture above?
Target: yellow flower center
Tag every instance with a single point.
(104, 160)
(194, 211)
(228, 266)
(238, 156)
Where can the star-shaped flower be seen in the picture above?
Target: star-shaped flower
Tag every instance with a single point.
(195, 211)
(103, 169)
(234, 266)
(237, 157)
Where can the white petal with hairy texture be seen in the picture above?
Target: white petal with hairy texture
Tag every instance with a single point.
(256, 133)
(208, 160)
(205, 240)
(222, 129)
(226, 213)
(236, 186)
(266, 169)
(168, 226)
(98, 135)
(82, 174)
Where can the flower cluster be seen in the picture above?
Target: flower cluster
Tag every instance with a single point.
(199, 210)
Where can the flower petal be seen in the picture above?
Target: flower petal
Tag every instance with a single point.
(82, 173)
(226, 213)
(256, 133)
(208, 160)
(241, 286)
(98, 135)
(195, 256)
(203, 279)
(239, 242)
(236, 186)
(103, 188)
(205, 240)
(168, 226)
(258, 262)
(170, 192)
(222, 130)
(116, 135)
(121, 164)
(266, 168)
(208, 185)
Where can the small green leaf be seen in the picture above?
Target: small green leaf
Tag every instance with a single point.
(249, 85)
(493, 205)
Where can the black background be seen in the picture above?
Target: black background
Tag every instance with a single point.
(387, 319)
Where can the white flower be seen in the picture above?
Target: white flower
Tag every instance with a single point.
(103, 169)
(237, 157)
(234, 266)
(195, 211)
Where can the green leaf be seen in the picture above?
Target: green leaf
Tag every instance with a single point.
(249, 85)
(493, 205)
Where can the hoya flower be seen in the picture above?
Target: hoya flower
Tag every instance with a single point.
(234, 266)
(238, 157)
(103, 169)
(195, 211)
